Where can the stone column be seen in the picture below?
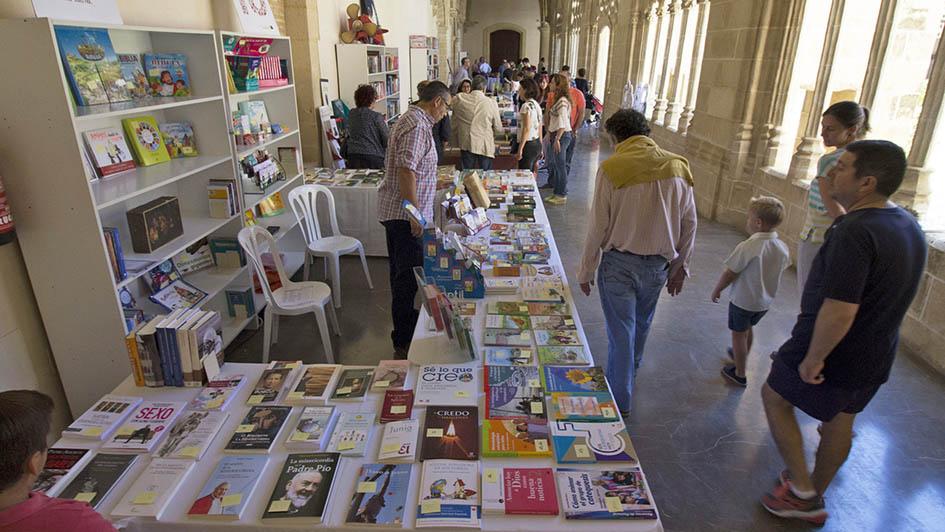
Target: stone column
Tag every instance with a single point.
(659, 107)
(637, 71)
(301, 17)
(884, 26)
(651, 75)
(782, 74)
(805, 158)
(674, 95)
(695, 67)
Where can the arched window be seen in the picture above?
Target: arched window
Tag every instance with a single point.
(603, 51)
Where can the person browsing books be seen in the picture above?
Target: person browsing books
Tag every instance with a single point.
(367, 131)
(25, 417)
(475, 122)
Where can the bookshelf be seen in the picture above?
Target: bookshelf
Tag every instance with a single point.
(424, 64)
(362, 64)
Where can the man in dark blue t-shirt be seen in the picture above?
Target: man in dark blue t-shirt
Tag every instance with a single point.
(843, 344)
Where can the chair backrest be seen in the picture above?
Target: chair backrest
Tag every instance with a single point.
(304, 203)
(255, 241)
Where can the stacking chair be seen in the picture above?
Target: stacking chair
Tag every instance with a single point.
(292, 298)
(303, 201)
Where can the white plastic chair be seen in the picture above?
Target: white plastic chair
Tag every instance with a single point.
(303, 201)
(292, 298)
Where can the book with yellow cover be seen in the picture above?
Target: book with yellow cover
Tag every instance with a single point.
(271, 206)
(515, 437)
(146, 140)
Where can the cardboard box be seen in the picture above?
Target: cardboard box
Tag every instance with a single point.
(154, 224)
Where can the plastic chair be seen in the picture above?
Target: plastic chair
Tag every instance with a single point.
(292, 298)
(303, 201)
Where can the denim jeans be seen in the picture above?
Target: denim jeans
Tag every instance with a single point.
(570, 152)
(470, 160)
(629, 288)
(558, 165)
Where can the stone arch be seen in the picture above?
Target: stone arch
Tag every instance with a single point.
(504, 26)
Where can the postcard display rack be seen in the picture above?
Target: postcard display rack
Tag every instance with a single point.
(375, 65)
(62, 207)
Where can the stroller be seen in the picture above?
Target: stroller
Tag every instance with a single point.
(595, 108)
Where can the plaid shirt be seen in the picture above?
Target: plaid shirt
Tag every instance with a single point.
(410, 146)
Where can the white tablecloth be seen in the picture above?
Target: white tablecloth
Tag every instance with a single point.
(356, 208)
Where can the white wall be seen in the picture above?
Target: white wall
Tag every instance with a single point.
(486, 13)
(402, 17)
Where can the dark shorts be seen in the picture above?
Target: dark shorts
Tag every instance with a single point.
(740, 320)
(820, 401)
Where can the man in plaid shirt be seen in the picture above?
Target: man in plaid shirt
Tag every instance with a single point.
(410, 174)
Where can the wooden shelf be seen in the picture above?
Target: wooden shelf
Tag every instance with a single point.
(143, 106)
(268, 142)
(118, 188)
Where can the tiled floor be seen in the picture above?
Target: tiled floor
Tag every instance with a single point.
(704, 445)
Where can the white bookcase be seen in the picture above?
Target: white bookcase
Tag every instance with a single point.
(361, 64)
(60, 211)
(424, 64)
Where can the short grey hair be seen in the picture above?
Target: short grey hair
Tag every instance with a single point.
(433, 89)
(478, 82)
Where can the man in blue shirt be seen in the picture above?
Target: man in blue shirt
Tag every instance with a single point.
(842, 347)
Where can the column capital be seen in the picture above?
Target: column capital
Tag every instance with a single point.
(686, 4)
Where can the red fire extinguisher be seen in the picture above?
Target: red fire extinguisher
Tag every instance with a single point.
(7, 231)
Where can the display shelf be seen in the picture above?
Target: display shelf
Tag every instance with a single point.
(395, 95)
(272, 139)
(354, 71)
(214, 280)
(195, 228)
(257, 198)
(146, 105)
(267, 90)
(286, 222)
(118, 188)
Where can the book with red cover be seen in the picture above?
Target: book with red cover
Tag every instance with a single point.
(398, 404)
(530, 491)
(450, 432)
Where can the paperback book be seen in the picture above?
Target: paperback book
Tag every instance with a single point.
(109, 151)
(549, 309)
(304, 489)
(218, 393)
(449, 494)
(506, 321)
(99, 421)
(146, 141)
(450, 432)
(229, 489)
(447, 386)
(353, 383)
(142, 431)
(258, 117)
(380, 495)
(61, 465)
(557, 338)
(167, 74)
(269, 386)
(179, 139)
(605, 495)
(398, 405)
(91, 65)
(582, 406)
(553, 323)
(519, 491)
(515, 438)
(259, 429)
(391, 375)
(562, 356)
(312, 429)
(513, 308)
(133, 74)
(507, 356)
(96, 480)
(152, 491)
(314, 384)
(507, 338)
(572, 379)
(399, 442)
(351, 433)
(577, 442)
(514, 392)
(193, 433)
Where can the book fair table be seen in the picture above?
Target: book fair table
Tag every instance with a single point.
(355, 193)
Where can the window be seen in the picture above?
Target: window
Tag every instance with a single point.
(573, 56)
(603, 50)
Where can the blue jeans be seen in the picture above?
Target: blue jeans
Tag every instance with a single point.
(470, 160)
(570, 150)
(558, 164)
(629, 289)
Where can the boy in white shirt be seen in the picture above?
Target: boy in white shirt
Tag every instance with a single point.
(754, 270)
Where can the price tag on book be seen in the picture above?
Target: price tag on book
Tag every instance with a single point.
(462, 393)
(534, 383)
(189, 452)
(444, 262)
(345, 445)
(125, 430)
(434, 433)
(232, 500)
(381, 384)
(279, 506)
(245, 428)
(613, 504)
(367, 487)
(343, 391)
(215, 403)
(581, 451)
(525, 335)
(526, 353)
(91, 431)
(541, 446)
(255, 399)
(85, 496)
(523, 308)
(569, 322)
(296, 395)
(292, 365)
(391, 448)
(537, 407)
(398, 409)
(145, 497)
(299, 436)
(430, 506)
(491, 475)
(606, 411)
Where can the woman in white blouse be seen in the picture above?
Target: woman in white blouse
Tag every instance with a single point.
(560, 137)
(530, 127)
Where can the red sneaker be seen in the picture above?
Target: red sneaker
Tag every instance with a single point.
(782, 502)
(784, 478)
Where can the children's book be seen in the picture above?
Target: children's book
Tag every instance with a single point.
(449, 385)
(582, 406)
(505, 321)
(353, 383)
(380, 495)
(557, 338)
(573, 379)
(315, 384)
(179, 139)
(450, 432)
(515, 438)
(448, 494)
(605, 495)
(513, 308)
(179, 294)
(102, 418)
(549, 309)
(95, 481)
(229, 489)
(577, 442)
(61, 465)
(150, 494)
(507, 338)
(144, 428)
(507, 356)
(218, 393)
(193, 433)
(312, 429)
(304, 489)
(269, 386)
(109, 151)
(391, 375)
(562, 356)
(399, 442)
(398, 405)
(553, 323)
(352, 433)
(167, 74)
(146, 140)
(91, 65)
(259, 429)
(256, 111)
(133, 74)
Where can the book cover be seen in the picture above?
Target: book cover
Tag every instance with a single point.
(351, 434)
(96, 480)
(302, 491)
(514, 392)
(450, 432)
(109, 151)
(146, 140)
(507, 338)
(399, 442)
(353, 383)
(258, 117)
(507, 356)
(557, 338)
(144, 428)
(179, 294)
(206, 341)
(577, 442)
(193, 433)
(179, 139)
(230, 488)
(60, 462)
(167, 74)
(513, 308)
(133, 74)
(572, 379)
(152, 491)
(271, 205)
(314, 384)
(493, 491)
(549, 309)
(91, 65)
(269, 387)
(562, 356)
(505, 321)
(194, 258)
(259, 429)
(530, 491)
(98, 422)
(447, 386)
(448, 494)
(515, 438)
(398, 405)
(391, 375)
(582, 406)
(218, 393)
(605, 495)
(312, 428)
(553, 323)
(380, 495)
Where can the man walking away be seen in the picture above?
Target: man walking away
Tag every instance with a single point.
(641, 230)
(475, 122)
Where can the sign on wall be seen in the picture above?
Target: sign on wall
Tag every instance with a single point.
(256, 17)
(103, 11)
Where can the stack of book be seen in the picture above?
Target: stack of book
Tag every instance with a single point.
(222, 197)
(115, 256)
(171, 350)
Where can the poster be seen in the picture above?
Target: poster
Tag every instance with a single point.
(104, 11)
(256, 17)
